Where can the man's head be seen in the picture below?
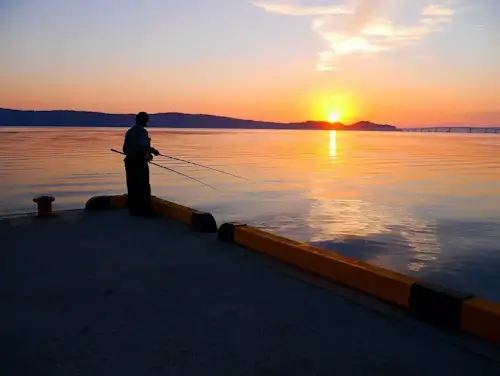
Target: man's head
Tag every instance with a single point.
(142, 119)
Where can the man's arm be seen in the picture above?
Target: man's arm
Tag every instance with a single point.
(154, 151)
(145, 142)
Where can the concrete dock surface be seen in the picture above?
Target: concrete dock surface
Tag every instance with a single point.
(102, 293)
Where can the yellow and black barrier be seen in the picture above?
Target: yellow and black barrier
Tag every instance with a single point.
(106, 202)
(427, 302)
(482, 318)
(197, 220)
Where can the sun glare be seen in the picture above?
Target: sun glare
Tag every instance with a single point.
(334, 117)
(333, 107)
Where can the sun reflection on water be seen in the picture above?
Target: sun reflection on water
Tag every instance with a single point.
(339, 215)
(333, 144)
(333, 220)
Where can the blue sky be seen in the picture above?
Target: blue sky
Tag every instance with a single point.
(258, 59)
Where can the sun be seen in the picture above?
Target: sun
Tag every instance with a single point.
(334, 117)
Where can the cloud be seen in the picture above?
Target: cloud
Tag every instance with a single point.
(301, 10)
(437, 10)
(362, 28)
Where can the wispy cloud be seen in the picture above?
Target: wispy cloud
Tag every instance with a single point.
(362, 27)
(299, 10)
(437, 10)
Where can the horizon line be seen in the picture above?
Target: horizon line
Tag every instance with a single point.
(193, 114)
(250, 120)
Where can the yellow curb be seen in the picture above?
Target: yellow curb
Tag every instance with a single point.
(172, 210)
(482, 318)
(384, 284)
(118, 202)
(199, 221)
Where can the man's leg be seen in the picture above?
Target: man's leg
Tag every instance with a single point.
(142, 192)
(133, 188)
(146, 204)
(147, 190)
(148, 187)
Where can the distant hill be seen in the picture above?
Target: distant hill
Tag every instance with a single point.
(56, 118)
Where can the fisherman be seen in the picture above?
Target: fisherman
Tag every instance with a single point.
(138, 151)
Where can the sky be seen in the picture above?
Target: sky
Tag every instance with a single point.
(401, 62)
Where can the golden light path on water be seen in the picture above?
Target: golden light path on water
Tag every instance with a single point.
(363, 219)
(333, 144)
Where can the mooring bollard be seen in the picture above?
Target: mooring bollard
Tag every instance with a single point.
(44, 205)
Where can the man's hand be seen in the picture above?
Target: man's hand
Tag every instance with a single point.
(155, 152)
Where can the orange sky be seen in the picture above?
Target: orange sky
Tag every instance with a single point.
(276, 61)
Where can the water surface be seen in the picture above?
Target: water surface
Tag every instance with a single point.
(426, 204)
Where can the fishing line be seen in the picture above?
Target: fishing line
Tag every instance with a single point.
(197, 164)
(177, 172)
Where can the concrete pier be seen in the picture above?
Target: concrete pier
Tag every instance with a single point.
(100, 293)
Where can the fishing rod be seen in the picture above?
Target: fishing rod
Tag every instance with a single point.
(197, 164)
(169, 169)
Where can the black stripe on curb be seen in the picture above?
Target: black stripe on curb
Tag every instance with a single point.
(98, 203)
(226, 231)
(437, 305)
(203, 222)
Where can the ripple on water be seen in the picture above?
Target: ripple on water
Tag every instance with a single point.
(427, 205)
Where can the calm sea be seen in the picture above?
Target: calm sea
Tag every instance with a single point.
(423, 204)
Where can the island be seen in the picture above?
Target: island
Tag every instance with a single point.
(70, 118)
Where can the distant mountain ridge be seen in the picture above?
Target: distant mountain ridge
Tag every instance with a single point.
(10, 117)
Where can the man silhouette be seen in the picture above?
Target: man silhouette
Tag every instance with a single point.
(138, 151)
